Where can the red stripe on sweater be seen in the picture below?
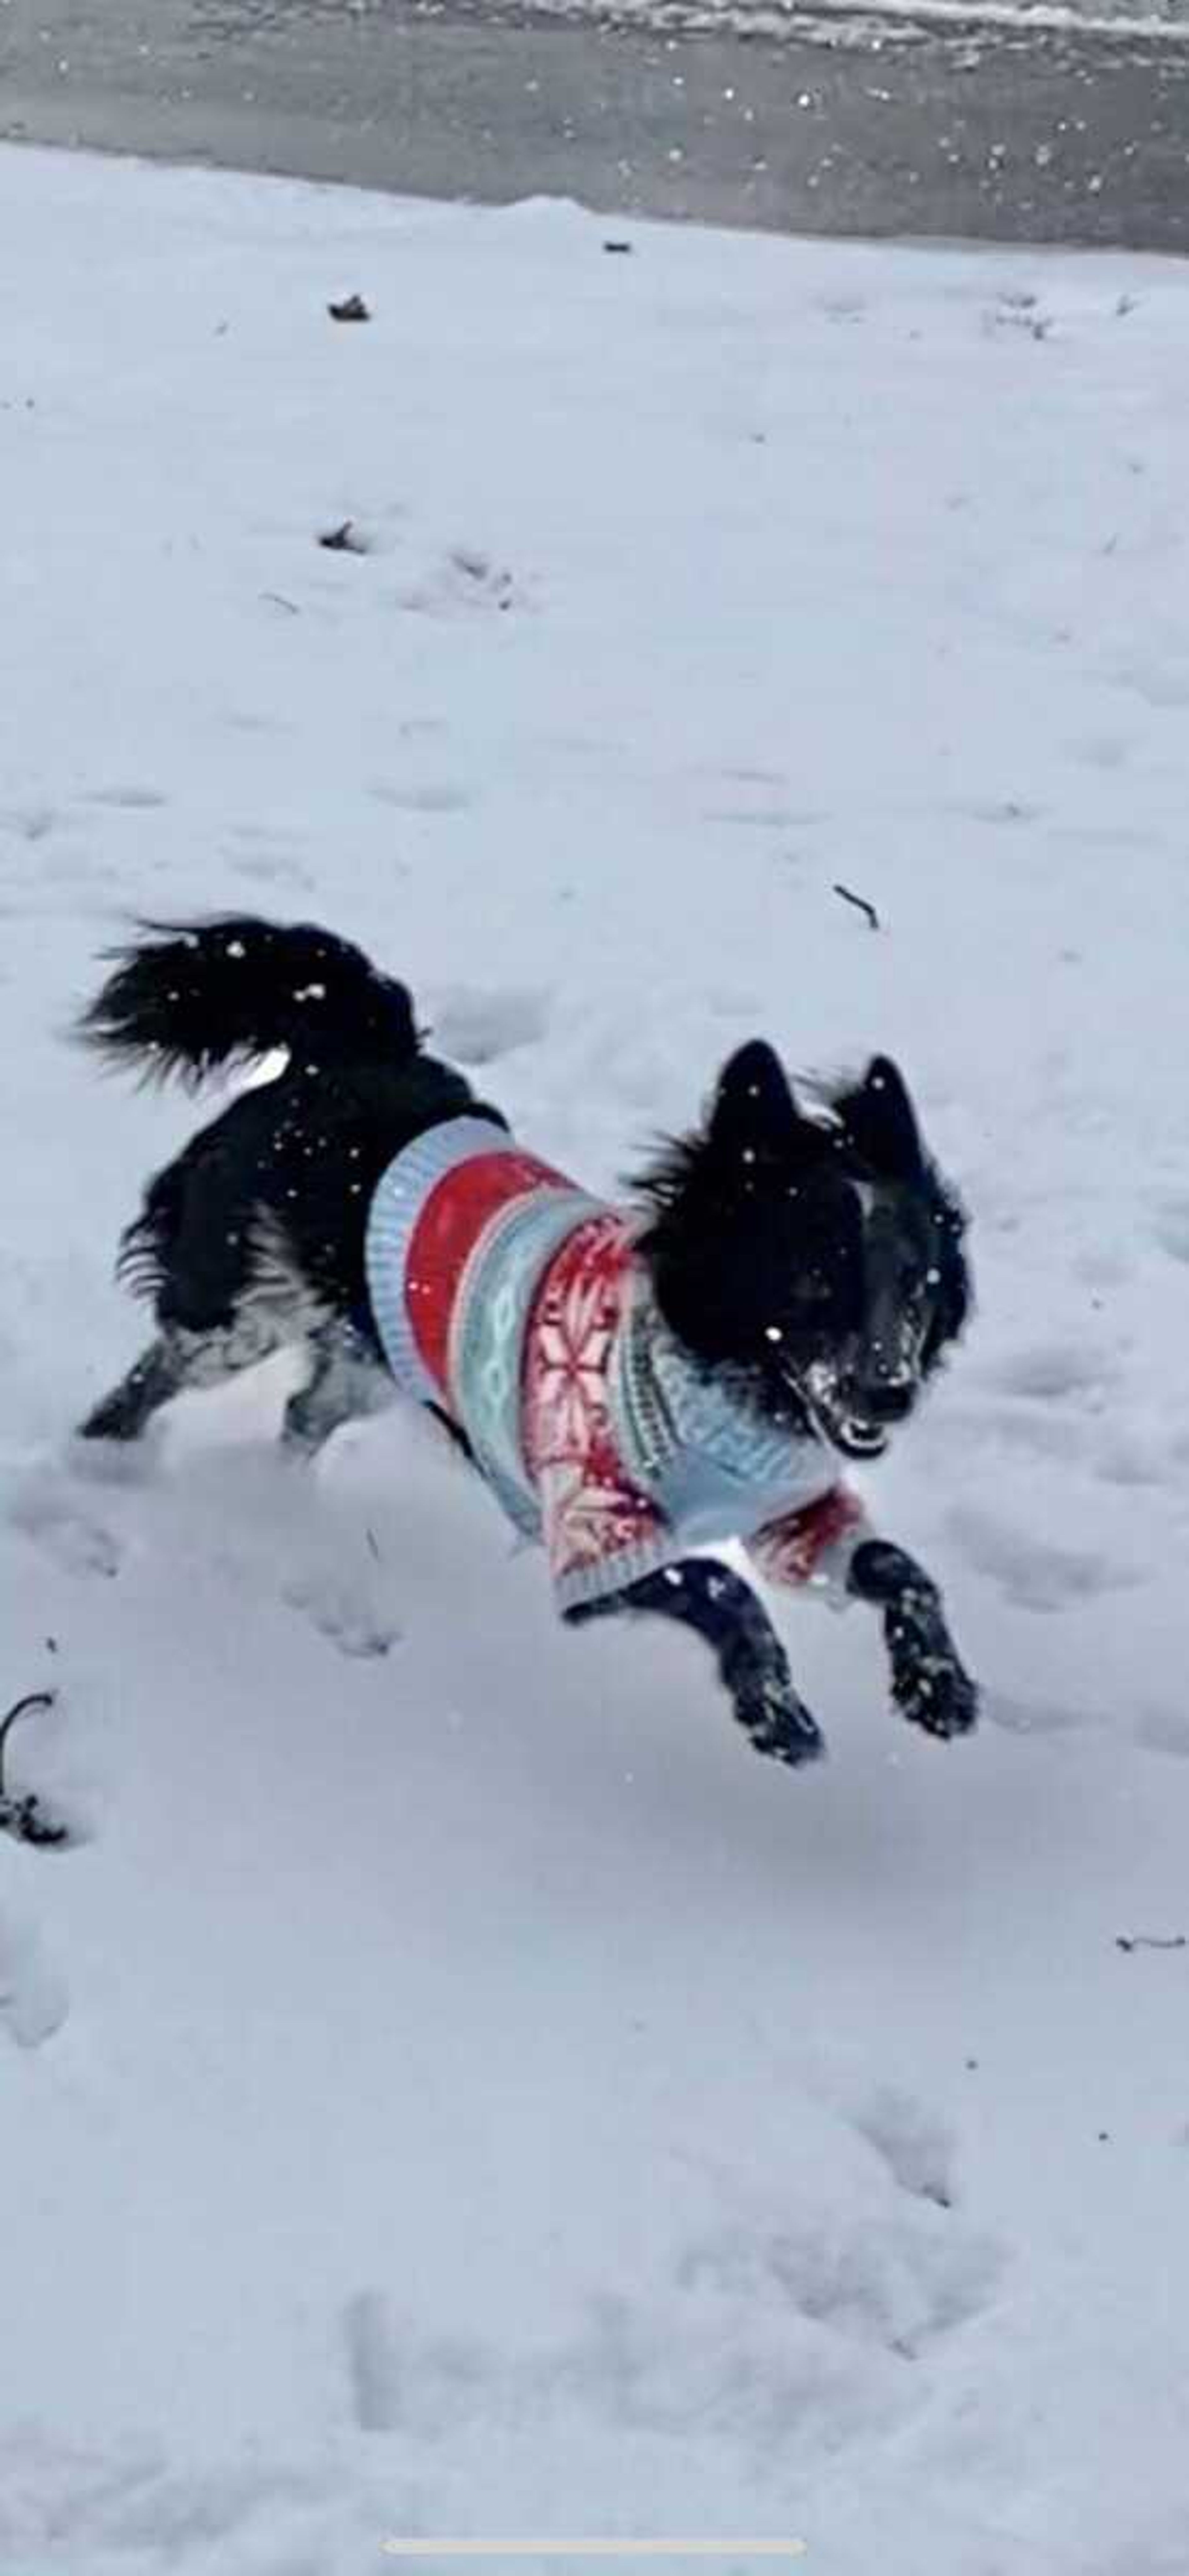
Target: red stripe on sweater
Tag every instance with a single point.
(446, 1232)
(789, 1550)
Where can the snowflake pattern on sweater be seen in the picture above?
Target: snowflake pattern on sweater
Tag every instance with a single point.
(595, 1519)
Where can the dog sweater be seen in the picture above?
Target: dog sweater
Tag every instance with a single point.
(508, 1298)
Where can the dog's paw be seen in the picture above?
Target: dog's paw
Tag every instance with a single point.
(777, 1722)
(933, 1691)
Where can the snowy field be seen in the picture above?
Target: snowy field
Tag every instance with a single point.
(456, 2087)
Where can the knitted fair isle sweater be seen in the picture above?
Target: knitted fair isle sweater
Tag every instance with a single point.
(507, 1297)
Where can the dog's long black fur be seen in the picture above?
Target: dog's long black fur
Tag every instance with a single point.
(815, 1261)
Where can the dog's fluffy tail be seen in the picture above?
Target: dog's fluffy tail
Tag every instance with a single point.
(189, 997)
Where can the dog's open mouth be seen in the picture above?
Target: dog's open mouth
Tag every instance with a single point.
(839, 1423)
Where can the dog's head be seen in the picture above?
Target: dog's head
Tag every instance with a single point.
(817, 1260)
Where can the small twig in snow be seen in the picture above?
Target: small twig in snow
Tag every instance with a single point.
(279, 601)
(1150, 1941)
(22, 1817)
(20, 1708)
(861, 904)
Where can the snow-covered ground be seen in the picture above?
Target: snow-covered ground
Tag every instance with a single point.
(456, 2087)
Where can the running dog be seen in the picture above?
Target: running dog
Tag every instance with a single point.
(634, 1382)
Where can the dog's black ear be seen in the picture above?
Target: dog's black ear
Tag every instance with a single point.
(754, 1110)
(880, 1122)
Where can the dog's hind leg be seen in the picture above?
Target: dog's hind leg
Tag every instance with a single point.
(153, 1379)
(181, 1359)
(753, 1667)
(346, 1381)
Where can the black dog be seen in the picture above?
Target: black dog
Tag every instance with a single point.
(780, 1295)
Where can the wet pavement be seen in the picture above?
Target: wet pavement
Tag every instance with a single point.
(852, 127)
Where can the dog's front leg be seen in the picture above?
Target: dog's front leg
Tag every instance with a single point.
(930, 1684)
(752, 1664)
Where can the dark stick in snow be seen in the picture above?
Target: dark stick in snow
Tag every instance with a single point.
(1150, 1941)
(22, 1817)
(860, 904)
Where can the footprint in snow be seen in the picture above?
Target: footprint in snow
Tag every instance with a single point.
(772, 2329)
(1047, 1372)
(1161, 689)
(1036, 1716)
(753, 818)
(29, 822)
(899, 2283)
(342, 1613)
(916, 2146)
(375, 2369)
(998, 809)
(269, 853)
(479, 1027)
(280, 840)
(45, 1507)
(1039, 1434)
(401, 2380)
(1031, 1572)
(1102, 750)
(34, 2001)
(265, 871)
(128, 800)
(1164, 1730)
(1138, 1465)
(465, 580)
(422, 800)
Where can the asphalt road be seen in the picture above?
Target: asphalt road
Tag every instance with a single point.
(1003, 135)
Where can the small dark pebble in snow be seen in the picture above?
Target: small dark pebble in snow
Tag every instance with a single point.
(1104, 2137)
(972, 2065)
(343, 540)
(624, 249)
(351, 309)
